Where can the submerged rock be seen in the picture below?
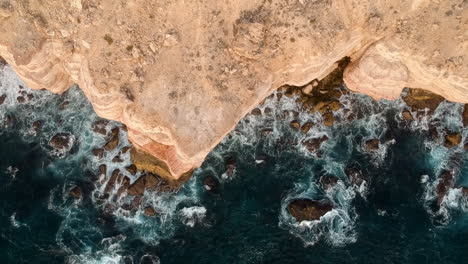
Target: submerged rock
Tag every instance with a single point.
(132, 169)
(355, 176)
(61, 141)
(37, 125)
(452, 140)
(211, 183)
(308, 210)
(76, 192)
(446, 181)
(328, 181)
(98, 152)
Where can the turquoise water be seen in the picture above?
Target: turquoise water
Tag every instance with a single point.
(389, 218)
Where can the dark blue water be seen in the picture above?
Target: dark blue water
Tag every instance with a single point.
(390, 218)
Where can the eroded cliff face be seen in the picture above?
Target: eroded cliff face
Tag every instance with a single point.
(181, 74)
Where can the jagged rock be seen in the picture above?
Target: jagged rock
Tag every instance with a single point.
(355, 176)
(132, 169)
(61, 141)
(407, 115)
(446, 182)
(452, 140)
(211, 183)
(100, 127)
(314, 143)
(2, 98)
(419, 100)
(76, 192)
(146, 181)
(230, 165)
(114, 140)
(149, 211)
(123, 186)
(308, 210)
(372, 144)
(116, 177)
(98, 152)
(102, 169)
(125, 149)
(20, 99)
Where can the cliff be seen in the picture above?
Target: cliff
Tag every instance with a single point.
(181, 74)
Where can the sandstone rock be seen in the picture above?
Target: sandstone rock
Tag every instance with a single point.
(61, 141)
(308, 210)
(307, 89)
(419, 100)
(116, 177)
(146, 181)
(372, 144)
(407, 115)
(295, 124)
(452, 140)
(256, 112)
(114, 140)
(328, 119)
(306, 127)
(149, 211)
(76, 192)
(132, 169)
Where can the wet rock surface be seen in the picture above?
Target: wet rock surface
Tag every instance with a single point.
(419, 100)
(452, 140)
(308, 210)
(61, 141)
(113, 142)
(372, 144)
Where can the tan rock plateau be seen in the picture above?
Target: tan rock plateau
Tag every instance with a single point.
(181, 74)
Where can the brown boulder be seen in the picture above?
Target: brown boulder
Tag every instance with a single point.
(306, 127)
(145, 181)
(256, 112)
(419, 100)
(407, 115)
(61, 141)
(295, 124)
(116, 177)
(98, 152)
(37, 125)
(2, 98)
(149, 211)
(452, 140)
(314, 143)
(114, 140)
(372, 144)
(20, 99)
(132, 169)
(308, 210)
(100, 126)
(328, 119)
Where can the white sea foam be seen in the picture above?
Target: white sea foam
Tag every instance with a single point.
(192, 215)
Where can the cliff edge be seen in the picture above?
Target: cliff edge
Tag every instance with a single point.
(181, 74)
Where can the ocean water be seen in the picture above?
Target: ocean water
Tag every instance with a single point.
(390, 217)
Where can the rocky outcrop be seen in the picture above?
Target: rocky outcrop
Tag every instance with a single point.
(181, 74)
(308, 210)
